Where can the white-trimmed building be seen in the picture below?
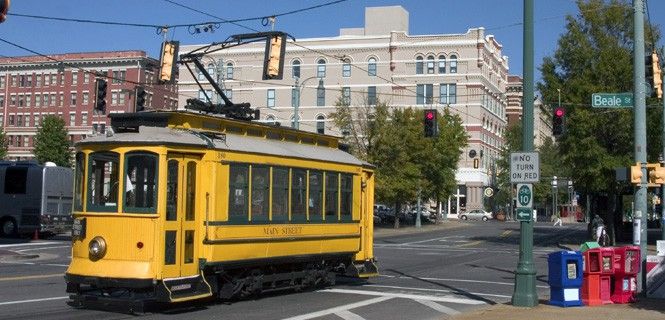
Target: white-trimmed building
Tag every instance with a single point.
(466, 73)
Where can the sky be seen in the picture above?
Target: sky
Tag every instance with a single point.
(502, 18)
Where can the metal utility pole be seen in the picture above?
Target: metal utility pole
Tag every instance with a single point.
(296, 120)
(524, 294)
(639, 92)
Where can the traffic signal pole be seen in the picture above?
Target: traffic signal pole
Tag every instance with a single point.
(639, 94)
(524, 294)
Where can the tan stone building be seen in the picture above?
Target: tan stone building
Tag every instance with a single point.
(466, 73)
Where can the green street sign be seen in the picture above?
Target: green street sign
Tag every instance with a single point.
(524, 214)
(525, 195)
(612, 100)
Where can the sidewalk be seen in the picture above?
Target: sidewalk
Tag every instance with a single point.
(645, 309)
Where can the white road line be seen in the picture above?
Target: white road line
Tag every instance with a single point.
(45, 248)
(438, 307)
(348, 315)
(421, 241)
(338, 309)
(460, 280)
(450, 299)
(35, 264)
(436, 290)
(32, 300)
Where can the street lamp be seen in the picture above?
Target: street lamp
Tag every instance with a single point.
(298, 86)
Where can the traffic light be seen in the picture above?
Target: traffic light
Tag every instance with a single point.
(139, 102)
(656, 174)
(657, 75)
(100, 95)
(273, 67)
(558, 121)
(168, 61)
(635, 174)
(430, 125)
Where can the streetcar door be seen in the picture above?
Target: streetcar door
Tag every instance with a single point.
(179, 224)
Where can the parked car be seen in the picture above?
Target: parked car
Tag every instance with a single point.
(476, 214)
(425, 214)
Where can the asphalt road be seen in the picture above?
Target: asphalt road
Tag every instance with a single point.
(429, 274)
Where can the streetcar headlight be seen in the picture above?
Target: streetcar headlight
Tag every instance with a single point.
(97, 248)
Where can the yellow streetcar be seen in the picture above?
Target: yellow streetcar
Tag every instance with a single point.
(177, 206)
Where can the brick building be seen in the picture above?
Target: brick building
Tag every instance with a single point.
(32, 87)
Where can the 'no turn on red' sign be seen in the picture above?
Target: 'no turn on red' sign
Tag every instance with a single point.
(524, 167)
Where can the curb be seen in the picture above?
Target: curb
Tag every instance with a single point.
(388, 232)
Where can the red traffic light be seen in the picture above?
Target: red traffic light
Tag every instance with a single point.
(559, 112)
(429, 115)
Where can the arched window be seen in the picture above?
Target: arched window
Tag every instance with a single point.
(296, 69)
(419, 65)
(320, 124)
(430, 64)
(371, 67)
(346, 68)
(201, 76)
(229, 70)
(211, 70)
(270, 119)
(442, 64)
(320, 95)
(321, 68)
(453, 64)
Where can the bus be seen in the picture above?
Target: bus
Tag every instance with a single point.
(35, 197)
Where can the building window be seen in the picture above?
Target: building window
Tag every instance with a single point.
(73, 102)
(19, 120)
(37, 120)
(321, 68)
(430, 65)
(62, 99)
(54, 79)
(371, 95)
(448, 93)
(211, 70)
(11, 119)
(21, 100)
(320, 124)
(371, 67)
(28, 101)
(320, 95)
(53, 99)
(419, 65)
(424, 94)
(72, 119)
(453, 64)
(121, 98)
(346, 96)
(2, 82)
(75, 77)
(12, 100)
(27, 120)
(85, 98)
(295, 69)
(204, 95)
(229, 70)
(84, 118)
(47, 80)
(38, 80)
(346, 68)
(271, 98)
(86, 77)
(119, 76)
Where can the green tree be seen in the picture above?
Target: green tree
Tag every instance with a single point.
(595, 55)
(3, 144)
(51, 143)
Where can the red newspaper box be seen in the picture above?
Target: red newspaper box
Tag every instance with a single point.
(606, 273)
(591, 282)
(626, 267)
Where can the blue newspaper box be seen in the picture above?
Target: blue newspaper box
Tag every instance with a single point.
(565, 278)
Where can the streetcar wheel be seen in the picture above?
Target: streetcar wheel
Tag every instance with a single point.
(8, 228)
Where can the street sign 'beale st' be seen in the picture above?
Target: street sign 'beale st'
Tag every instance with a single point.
(524, 167)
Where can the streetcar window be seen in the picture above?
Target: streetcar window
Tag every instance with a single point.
(15, 180)
(103, 181)
(170, 247)
(315, 196)
(78, 181)
(332, 195)
(347, 196)
(298, 195)
(238, 182)
(280, 194)
(189, 247)
(191, 191)
(260, 195)
(172, 191)
(140, 182)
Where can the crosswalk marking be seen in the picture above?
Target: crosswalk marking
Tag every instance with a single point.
(348, 315)
(450, 299)
(436, 290)
(339, 309)
(438, 307)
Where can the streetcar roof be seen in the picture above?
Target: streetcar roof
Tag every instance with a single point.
(147, 135)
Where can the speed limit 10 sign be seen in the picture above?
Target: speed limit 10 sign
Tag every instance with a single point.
(524, 195)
